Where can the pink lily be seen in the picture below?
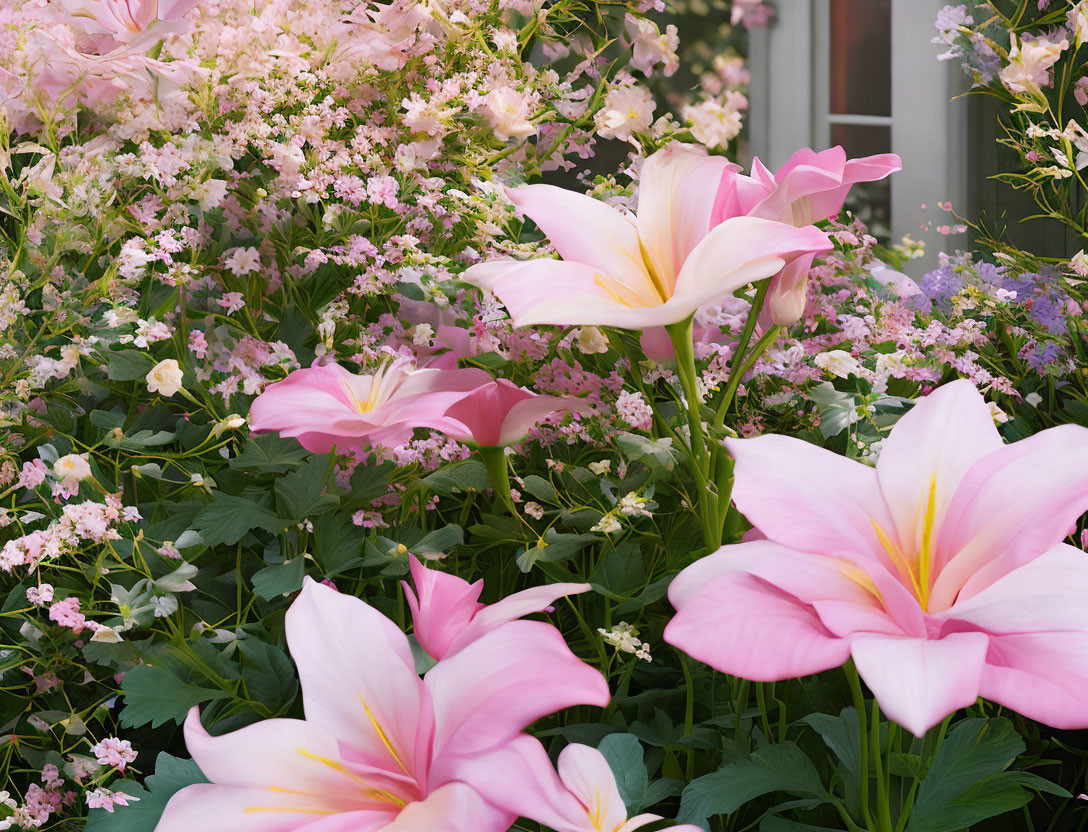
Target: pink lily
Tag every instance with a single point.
(380, 748)
(448, 615)
(128, 22)
(810, 187)
(652, 270)
(500, 413)
(581, 797)
(327, 406)
(942, 572)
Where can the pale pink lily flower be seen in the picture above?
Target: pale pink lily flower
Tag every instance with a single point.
(448, 616)
(581, 797)
(810, 187)
(328, 406)
(942, 572)
(380, 748)
(651, 270)
(499, 413)
(128, 22)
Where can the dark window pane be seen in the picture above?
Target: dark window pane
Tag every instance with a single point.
(861, 57)
(869, 201)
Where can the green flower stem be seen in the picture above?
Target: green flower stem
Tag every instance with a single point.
(499, 474)
(689, 712)
(684, 347)
(883, 812)
(863, 739)
(742, 345)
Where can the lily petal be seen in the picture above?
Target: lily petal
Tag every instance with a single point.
(990, 533)
(358, 676)
(211, 808)
(917, 681)
(807, 498)
(739, 251)
(745, 626)
(488, 692)
(1037, 622)
(677, 189)
(583, 229)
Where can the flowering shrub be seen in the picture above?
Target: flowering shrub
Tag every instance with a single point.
(368, 449)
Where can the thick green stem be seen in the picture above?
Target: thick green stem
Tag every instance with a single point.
(495, 460)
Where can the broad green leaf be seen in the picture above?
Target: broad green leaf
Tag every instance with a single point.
(624, 754)
(301, 493)
(553, 547)
(840, 734)
(657, 453)
(228, 518)
(438, 542)
(960, 787)
(268, 674)
(128, 365)
(172, 774)
(155, 695)
(270, 453)
(338, 545)
(459, 477)
(280, 578)
(541, 489)
(773, 768)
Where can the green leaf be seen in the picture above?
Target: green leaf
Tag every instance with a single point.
(338, 545)
(107, 420)
(128, 365)
(621, 571)
(840, 734)
(172, 774)
(280, 578)
(773, 768)
(438, 542)
(541, 489)
(270, 453)
(657, 453)
(466, 475)
(554, 546)
(154, 694)
(963, 785)
(301, 493)
(268, 674)
(228, 518)
(776, 824)
(625, 757)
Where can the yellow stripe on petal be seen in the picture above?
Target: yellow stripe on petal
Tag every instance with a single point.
(382, 736)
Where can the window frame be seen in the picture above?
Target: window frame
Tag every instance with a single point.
(929, 113)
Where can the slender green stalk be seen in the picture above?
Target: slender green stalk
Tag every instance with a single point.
(883, 811)
(701, 458)
(689, 712)
(863, 740)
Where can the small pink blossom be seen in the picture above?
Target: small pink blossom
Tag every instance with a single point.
(103, 798)
(114, 752)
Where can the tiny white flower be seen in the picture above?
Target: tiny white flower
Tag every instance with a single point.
(1034, 399)
(607, 525)
(72, 468)
(165, 378)
(591, 340)
(999, 415)
(602, 467)
(839, 363)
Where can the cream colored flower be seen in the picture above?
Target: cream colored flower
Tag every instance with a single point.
(165, 378)
(72, 468)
